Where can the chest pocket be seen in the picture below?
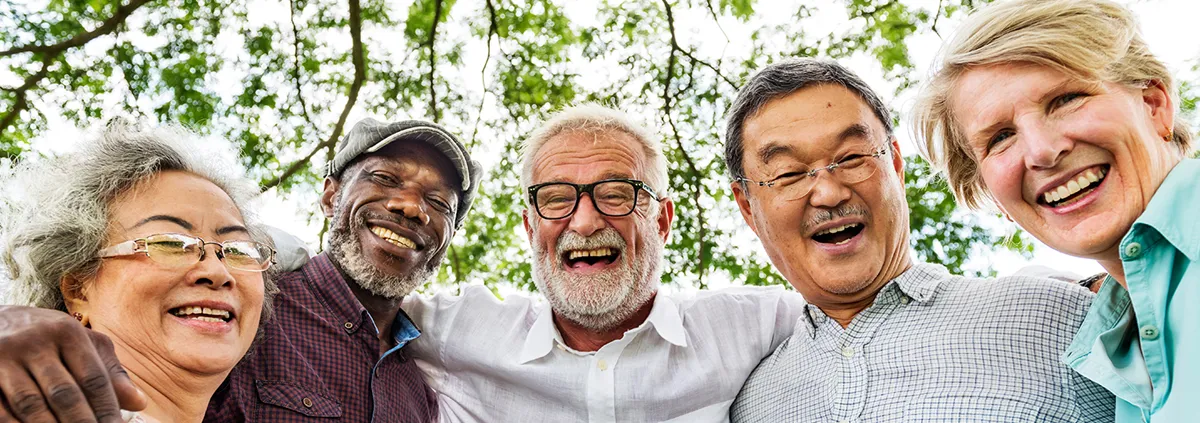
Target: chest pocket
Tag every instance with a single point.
(293, 397)
(984, 407)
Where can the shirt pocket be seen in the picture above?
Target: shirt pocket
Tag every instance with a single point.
(984, 407)
(296, 398)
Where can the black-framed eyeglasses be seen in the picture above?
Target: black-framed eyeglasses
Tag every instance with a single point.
(611, 197)
(795, 184)
(179, 250)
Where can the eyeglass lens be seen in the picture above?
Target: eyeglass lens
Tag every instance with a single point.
(613, 198)
(179, 250)
(847, 172)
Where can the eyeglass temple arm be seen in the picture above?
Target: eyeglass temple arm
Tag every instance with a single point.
(122, 249)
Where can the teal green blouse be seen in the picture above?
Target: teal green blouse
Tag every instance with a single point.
(1143, 344)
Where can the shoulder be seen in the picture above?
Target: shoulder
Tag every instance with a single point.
(757, 299)
(1028, 294)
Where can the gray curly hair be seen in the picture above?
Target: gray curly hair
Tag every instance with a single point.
(54, 215)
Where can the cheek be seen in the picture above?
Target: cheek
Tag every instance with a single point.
(1002, 177)
(121, 289)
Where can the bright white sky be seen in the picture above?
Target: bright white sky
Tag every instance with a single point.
(1168, 26)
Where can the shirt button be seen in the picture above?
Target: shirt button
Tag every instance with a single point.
(603, 365)
(1149, 332)
(349, 326)
(307, 402)
(847, 352)
(1133, 250)
(904, 300)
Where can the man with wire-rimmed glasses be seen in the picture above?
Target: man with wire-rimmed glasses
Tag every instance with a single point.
(818, 176)
(608, 346)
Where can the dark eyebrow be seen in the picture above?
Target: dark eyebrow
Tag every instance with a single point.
(857, 130)
(233, 228)
(162, 217)
(770, 151)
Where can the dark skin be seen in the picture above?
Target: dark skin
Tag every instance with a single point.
(408, 187)
(83, 380)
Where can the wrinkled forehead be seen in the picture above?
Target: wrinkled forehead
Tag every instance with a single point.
(585, 156)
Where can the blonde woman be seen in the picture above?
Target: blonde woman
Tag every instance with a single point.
(1057, 113)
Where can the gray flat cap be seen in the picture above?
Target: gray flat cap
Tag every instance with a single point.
(369, 135)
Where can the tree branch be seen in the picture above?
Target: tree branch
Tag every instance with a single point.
(937, 16)
(437, 16)
(296, 65)
(109, 25)
(360, 76)
(676, 47)
(492, 30)
(671, 61)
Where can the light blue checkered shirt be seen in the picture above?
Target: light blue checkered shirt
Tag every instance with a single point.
(933, 348)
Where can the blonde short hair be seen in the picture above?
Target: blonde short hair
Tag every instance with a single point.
(1092, 40)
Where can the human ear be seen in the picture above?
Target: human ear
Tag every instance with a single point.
(329, 196)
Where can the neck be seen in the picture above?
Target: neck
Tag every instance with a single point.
(383, 311)
(580, 338)
(1115, 268)
(172, 394)
(844, 312)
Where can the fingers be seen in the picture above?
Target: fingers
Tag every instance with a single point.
(24, 397)
(6, 415)
(63, 395)
(117, 381)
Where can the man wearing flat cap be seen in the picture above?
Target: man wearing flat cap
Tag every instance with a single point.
(335, 347)
(394, 193)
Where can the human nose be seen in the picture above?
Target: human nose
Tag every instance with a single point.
(408, 204)
(211, 269)
(587, 219)
(827, 191)
(1044, 146)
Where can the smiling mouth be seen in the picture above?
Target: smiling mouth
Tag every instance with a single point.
(1074, 189)
(202, 314)
(591, 257)
(839, 235)
(393, 238)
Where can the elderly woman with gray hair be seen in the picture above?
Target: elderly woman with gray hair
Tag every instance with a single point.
(1058, 113)
(143, 237)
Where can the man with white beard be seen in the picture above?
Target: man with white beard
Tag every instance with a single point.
(608, 346)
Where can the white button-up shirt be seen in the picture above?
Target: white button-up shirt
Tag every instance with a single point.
(504, 361)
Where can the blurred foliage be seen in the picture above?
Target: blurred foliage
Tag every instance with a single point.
(280, 78)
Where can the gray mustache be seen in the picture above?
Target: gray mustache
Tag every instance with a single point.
(607, 237)
(824, 215)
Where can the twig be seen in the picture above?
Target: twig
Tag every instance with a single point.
(492, 31)
(437, 16)
(701, 232)
(676, 47)
(296, 65)
(360, 76)
(937, 16)
(109, 25)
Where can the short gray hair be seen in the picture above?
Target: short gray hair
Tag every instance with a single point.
(594, 119)
(779, 80)
(56, 211)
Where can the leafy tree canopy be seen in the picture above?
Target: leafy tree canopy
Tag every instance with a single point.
(284, 81)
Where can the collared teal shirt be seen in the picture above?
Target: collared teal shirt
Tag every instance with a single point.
(1143, 344)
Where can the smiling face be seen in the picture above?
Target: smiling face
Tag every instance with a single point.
(597, 270)
(392, 217)
(841, 242)
(200, 318)
(1073, 163)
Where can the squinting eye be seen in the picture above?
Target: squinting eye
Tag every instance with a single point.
(1062, 100)
(999, 138)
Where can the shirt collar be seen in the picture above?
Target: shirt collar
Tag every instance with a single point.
(920, 282)
(664, 318)
(327, 284)
(1171, 210)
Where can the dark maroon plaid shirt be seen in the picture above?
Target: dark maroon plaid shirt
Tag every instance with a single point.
(319, 359)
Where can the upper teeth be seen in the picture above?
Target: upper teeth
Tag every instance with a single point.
(1073, 186)
(393, 238)
(202, 312)
(837, 229)
(598, 252)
